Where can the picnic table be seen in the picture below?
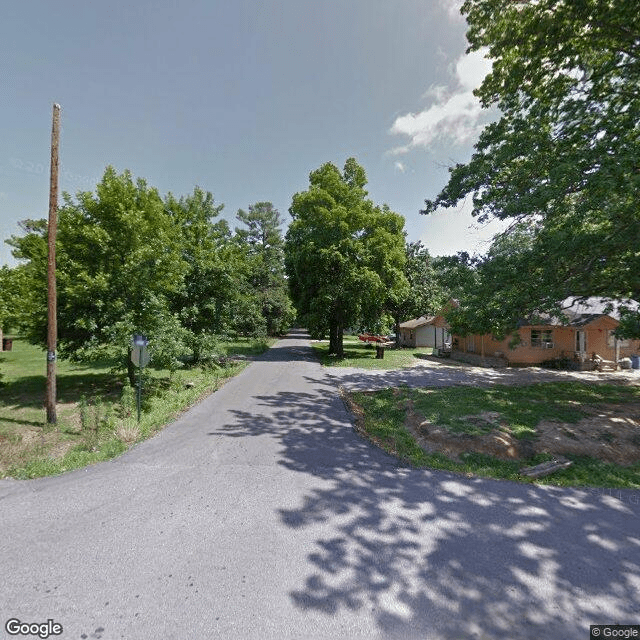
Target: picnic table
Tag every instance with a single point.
(368, 337)
(380, 341)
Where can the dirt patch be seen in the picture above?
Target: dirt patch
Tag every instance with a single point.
(610, 433)
(32, 442)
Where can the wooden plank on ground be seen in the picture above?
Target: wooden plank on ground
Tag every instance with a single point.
(546, 468)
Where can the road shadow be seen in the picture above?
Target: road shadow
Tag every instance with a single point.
(29, 391)
(294, 347)
(434, 555)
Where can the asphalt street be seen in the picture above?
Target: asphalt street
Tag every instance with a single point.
(260, 513)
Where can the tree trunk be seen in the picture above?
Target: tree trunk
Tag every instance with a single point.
(397, 330)
(333, 337)
(339, 341)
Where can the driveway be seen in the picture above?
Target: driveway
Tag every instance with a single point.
(442, 372)
(261, 514)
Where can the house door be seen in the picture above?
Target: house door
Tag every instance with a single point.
(581, 342)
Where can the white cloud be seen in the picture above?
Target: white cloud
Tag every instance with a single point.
(436, 92)
(471, 69)
(447, 231)
(400, 166)
(455, 114)
(452, 7)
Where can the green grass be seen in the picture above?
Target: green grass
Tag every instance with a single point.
(363, 356)
(96, 409)
(521, 409)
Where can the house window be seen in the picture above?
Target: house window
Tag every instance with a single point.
(542, 338)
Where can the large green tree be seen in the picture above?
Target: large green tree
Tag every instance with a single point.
(28, 280)
(118, 264)
(564, 155)
(211, 292)
(131, 262)
(492, 290)
(9, 297)
(344, 255)
(262, 236)
(423, 294)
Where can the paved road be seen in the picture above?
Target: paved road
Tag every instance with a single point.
(260, 514)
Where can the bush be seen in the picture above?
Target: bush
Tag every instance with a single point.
(248, 319)
(562, 364)
(206, 349)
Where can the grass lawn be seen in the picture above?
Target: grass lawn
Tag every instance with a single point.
(96, 410)
(382, 416)
(363, 356)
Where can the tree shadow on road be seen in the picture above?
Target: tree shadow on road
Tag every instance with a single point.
(434, 555)
(285, 351)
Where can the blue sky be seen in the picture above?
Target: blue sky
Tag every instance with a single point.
(243, 98)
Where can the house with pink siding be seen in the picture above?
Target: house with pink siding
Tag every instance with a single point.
(585, 335)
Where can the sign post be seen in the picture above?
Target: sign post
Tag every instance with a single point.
(140, 357)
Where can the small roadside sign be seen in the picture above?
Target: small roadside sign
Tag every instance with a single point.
(140, 355)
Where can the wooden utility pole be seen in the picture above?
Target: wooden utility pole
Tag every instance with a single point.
(52, 322)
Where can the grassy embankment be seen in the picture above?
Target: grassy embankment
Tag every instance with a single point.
(362, 355)
(97, 412)
(383, 415)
